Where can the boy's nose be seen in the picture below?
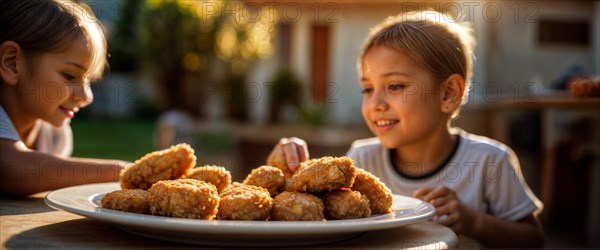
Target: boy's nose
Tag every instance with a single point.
(82, 95)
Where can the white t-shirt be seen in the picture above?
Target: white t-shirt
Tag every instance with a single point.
(484, 173)
(51, 140)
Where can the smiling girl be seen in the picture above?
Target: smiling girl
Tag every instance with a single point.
(415, 72)
(50, 52)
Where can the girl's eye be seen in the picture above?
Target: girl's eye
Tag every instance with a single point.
(366, 91)
(68, 77)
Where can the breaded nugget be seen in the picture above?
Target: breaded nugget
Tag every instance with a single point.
(127, 200)
(245, 202)
(324, 174)
(287, 181)
(292, 206)
(346, 204)
(283, 167)
(166, 164)
(185, 198)
(233, 185)
(379, 195)
(268, 177)
(287, 175)
(287, 185)
(216, 175)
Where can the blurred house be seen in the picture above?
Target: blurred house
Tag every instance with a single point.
(523, 47)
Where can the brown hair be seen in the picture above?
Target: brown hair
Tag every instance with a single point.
(41, 26)
(433, 40)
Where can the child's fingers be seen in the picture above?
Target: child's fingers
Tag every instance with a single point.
(437, 192)
(451, 221)
(430, 193)
(291, 155)
(439, 201)
(303, 151)
(442, 210)
(288, 152)
(420, 193)
(276, 157)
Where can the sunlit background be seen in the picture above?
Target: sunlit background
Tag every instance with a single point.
(232, 77)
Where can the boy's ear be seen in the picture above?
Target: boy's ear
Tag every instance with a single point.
(453, 90)
(10, 54)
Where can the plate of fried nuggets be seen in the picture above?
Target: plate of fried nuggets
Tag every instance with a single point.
(323, 202)
(329, 188)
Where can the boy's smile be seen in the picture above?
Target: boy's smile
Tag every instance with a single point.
(385, 125)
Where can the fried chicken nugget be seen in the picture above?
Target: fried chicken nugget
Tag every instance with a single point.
(216, 175)
(287, 175)
(292, 206)
(127, 200)
(268, 177)
(346, 204)
(287, 185)
(184, 198)
(287, 181)
(168, 164)
(324, 174)
(379, 195)
(245, 202)
(284, 167)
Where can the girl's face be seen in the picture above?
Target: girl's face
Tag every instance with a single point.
(56, 87)
(401, 101)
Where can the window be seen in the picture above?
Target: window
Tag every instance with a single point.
(558, 32)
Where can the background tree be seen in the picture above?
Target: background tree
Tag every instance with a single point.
(182, 42)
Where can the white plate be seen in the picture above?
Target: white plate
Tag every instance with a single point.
(85, 200)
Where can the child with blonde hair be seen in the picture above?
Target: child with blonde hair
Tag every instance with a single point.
(415, 72)
(50, 52)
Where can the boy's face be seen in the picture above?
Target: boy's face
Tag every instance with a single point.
(401, 101)
(55, 87)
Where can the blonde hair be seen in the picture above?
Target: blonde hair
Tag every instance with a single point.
(431, 39)
(41, 26)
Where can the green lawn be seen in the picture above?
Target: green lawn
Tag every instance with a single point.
(112, 139)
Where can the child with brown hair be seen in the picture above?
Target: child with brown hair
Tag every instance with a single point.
(415, 71)
(50, 52)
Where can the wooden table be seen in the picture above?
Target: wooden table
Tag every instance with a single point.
(28, 223)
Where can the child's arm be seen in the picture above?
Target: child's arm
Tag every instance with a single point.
(24, 172)
(496, 232)
(487, 229)
(290, 152)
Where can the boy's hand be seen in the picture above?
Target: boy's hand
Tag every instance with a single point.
(289, 151)
(449, 210)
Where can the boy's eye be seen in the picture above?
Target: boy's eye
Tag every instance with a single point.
(68, 77)
(396, 87)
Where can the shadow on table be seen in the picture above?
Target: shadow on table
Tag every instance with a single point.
(73, 234)
(23, 205)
